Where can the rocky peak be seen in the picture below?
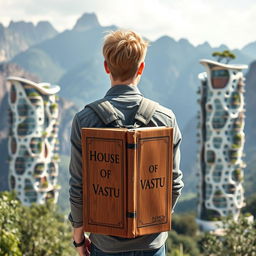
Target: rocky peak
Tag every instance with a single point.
(86, 21)
(1, 27)
(45, 27)
(20, 26)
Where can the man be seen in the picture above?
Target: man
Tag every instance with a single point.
(124, 53)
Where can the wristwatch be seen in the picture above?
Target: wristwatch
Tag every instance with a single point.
(79, 244)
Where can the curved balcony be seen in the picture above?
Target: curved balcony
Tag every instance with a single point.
(53, 108)
(237, 175)
(235, 100)
(238, 123)
(237, 141)
(233, 156)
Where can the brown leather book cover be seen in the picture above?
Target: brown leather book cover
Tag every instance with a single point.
(127, 180)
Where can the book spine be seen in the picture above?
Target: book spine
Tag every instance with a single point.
(131, 186)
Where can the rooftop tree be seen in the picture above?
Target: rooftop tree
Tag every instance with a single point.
(225, 55)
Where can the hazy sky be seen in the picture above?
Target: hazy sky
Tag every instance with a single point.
(216, 21)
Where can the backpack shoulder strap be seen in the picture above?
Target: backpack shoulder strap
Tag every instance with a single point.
(105, 111)
(146, 110)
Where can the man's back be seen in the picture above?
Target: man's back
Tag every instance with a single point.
(125, 99)
(124, 54)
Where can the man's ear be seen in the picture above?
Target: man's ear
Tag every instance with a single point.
(141, 68)
(106, 67)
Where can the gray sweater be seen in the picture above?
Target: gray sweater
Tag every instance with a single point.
(125, 99)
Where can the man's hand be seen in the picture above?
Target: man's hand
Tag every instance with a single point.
(78, 236)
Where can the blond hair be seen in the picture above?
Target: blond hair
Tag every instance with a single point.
(123, 51)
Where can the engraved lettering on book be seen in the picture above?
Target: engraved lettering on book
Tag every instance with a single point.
(125, 172)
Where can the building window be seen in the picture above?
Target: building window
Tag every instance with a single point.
(39, 169)
(210, 156)
(219, 200)
(13, 145)
(217, 142)
(12, 182)
(20, 165)
(220, 116)
(220, 78)
(36, 145)
(13, 94)
(208, 191)
(229, 188)
(217, 173)
(30, 193)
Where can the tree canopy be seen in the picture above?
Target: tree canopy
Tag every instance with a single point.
(238, 239)
(32, 231)
(225, 55)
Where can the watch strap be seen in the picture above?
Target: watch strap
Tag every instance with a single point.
(79, 244)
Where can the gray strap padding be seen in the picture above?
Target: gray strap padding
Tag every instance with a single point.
(146, 110)
(104, 110)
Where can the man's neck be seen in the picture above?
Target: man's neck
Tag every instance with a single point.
(116, 83)
(132, 82)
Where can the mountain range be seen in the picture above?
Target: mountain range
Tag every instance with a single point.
(73, 59)
(19, 36)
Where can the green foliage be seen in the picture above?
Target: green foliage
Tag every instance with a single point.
(250, 205)
(33, 94)
(227, 55)
(177, 252)
(10, 214)
(184, 224)
(32, 231)
(175, 242)
(239, 239)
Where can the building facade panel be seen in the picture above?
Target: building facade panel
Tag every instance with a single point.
(33, 164)
(221, 141)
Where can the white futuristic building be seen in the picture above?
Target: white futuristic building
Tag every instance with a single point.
(221, 140)
(33, 143)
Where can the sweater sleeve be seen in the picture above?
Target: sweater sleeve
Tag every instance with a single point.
(177, 183)
(75, 182)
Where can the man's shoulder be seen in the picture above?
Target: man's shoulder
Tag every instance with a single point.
(163, 115)
(88, 117)
(168, 113)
